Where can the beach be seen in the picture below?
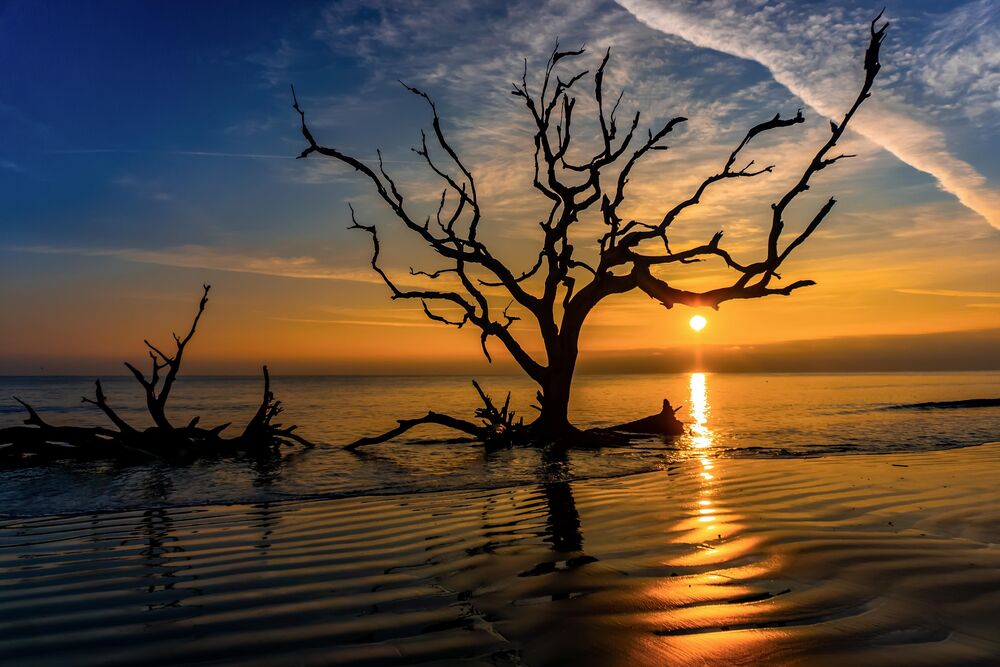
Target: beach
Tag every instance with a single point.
(854, 559)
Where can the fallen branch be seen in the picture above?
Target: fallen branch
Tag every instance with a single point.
(430, 418)
(498, 428)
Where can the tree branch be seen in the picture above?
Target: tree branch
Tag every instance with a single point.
(100, 400)
(406, 424)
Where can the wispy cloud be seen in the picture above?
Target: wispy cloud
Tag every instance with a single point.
(204, 257)
(250, 126)
(960, 60)
(98, 151)
(442, 53)
(147, 188)
(814, 56)
(275, 62)
(951, 292)
(374, 323)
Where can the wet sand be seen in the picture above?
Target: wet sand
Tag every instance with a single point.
(848, 560)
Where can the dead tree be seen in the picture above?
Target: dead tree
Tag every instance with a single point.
(40, 442)
(562, 287)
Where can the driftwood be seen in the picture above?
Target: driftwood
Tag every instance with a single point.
(498, 428)
(39, 442)
(664, 423)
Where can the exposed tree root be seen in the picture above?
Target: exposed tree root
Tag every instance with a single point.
(40, 442)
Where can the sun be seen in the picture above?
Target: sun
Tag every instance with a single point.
(698, 322)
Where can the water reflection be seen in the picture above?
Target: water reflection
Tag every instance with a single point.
(166, 578)
(701, 439)
(562, 529)
(699, 410)
(706, 512)
(563, 521)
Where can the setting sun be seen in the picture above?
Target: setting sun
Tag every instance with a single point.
(698, 322)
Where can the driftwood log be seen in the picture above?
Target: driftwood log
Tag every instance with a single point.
(664, 423)
(41, 442)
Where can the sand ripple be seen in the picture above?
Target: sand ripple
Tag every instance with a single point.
(887, 560)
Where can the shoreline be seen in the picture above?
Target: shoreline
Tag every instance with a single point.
(335, 496)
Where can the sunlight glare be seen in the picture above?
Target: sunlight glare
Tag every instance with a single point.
(702, 435)
(698, 322)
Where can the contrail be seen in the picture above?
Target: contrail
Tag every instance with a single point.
(816, 79)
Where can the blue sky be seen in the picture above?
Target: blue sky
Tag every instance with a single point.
(146, 147)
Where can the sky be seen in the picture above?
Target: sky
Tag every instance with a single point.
(148, 147)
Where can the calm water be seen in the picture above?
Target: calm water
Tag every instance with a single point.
(729, 415)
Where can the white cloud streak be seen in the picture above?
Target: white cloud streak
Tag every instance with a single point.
(815, 58)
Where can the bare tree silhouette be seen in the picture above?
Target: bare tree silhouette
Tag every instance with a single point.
(568, 287)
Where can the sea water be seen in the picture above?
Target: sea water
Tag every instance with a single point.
(783, 415)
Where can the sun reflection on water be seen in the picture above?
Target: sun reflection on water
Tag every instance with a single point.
(701, 435)
(718, 573)
(701, 440)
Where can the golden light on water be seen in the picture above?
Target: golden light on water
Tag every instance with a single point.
(698, 322)
(707, 514)
(701, 435)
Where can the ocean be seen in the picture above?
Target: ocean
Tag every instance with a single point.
(730, 415)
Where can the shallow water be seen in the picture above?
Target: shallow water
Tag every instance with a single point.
(850, 560)
(729, 415)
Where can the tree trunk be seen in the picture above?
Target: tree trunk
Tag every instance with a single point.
(554, 419)
(562, 352)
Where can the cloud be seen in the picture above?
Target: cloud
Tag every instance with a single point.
(148, 188)
(275, 62)
(97, 151)
(442, 53)
(375, 323)
(960, 59)
(952, 292)
(814, 55)
(204, 257)
(250, 126)
(10, 115)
